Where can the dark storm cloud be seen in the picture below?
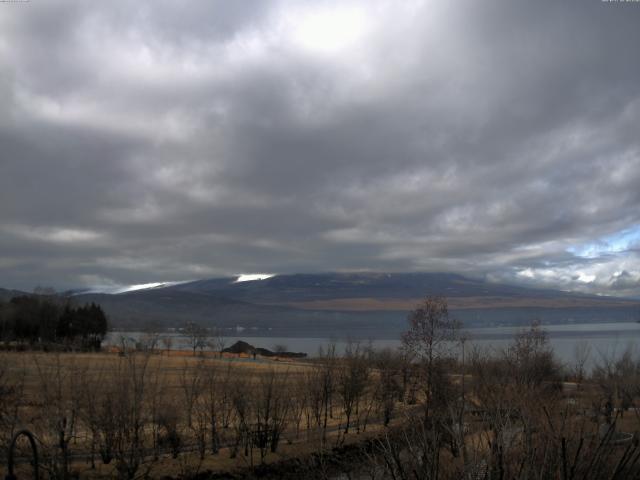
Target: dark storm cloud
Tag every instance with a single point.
(156, 141)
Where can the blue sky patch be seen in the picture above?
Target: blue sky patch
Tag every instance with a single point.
(616, 243)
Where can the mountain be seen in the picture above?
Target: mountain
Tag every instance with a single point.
(387, 291)
(357, 304)
(9, 294)
(360, 304)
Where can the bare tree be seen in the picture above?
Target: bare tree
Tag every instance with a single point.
(351, 380)
(313, 388)
(272, 403)
(209, 405)
(324, 382)
(431, 330)
(129, 414)
(90, 415)
(102, 415)
(389, 365)
(197, 336)
(169, 421)
(167, 342)
(193, 382)
(225, 398)
(61, 392)
(242, 406)
(12, 383)
(190, 385)
(150, 339)
(430, 337)
(618, 377)
(218, 340)
(154, 403)
(581, 354)
(531, 357)
(300, 402)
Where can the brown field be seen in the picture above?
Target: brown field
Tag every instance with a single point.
(173, 415)
(58, 387)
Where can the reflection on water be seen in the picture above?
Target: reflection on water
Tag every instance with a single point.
(605, 339)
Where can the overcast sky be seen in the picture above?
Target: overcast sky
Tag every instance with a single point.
(166, 141)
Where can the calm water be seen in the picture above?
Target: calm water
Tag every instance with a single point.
(604, 339)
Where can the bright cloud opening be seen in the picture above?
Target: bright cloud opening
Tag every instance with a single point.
(329, 31)
(250, 277)
(615, 243)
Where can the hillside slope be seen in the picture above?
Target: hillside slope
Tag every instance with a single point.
(357, 304)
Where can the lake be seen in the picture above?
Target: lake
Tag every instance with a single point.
(604, 339)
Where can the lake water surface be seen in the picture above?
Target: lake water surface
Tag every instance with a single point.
(604, 340)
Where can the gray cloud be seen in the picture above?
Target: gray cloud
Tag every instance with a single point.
(155, 142)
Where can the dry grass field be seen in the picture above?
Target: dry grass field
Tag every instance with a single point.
(175, 415)
(172, 413)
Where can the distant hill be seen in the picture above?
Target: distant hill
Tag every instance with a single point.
(357, 304)
(388, 291)
(9, 294)
(361, 304)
